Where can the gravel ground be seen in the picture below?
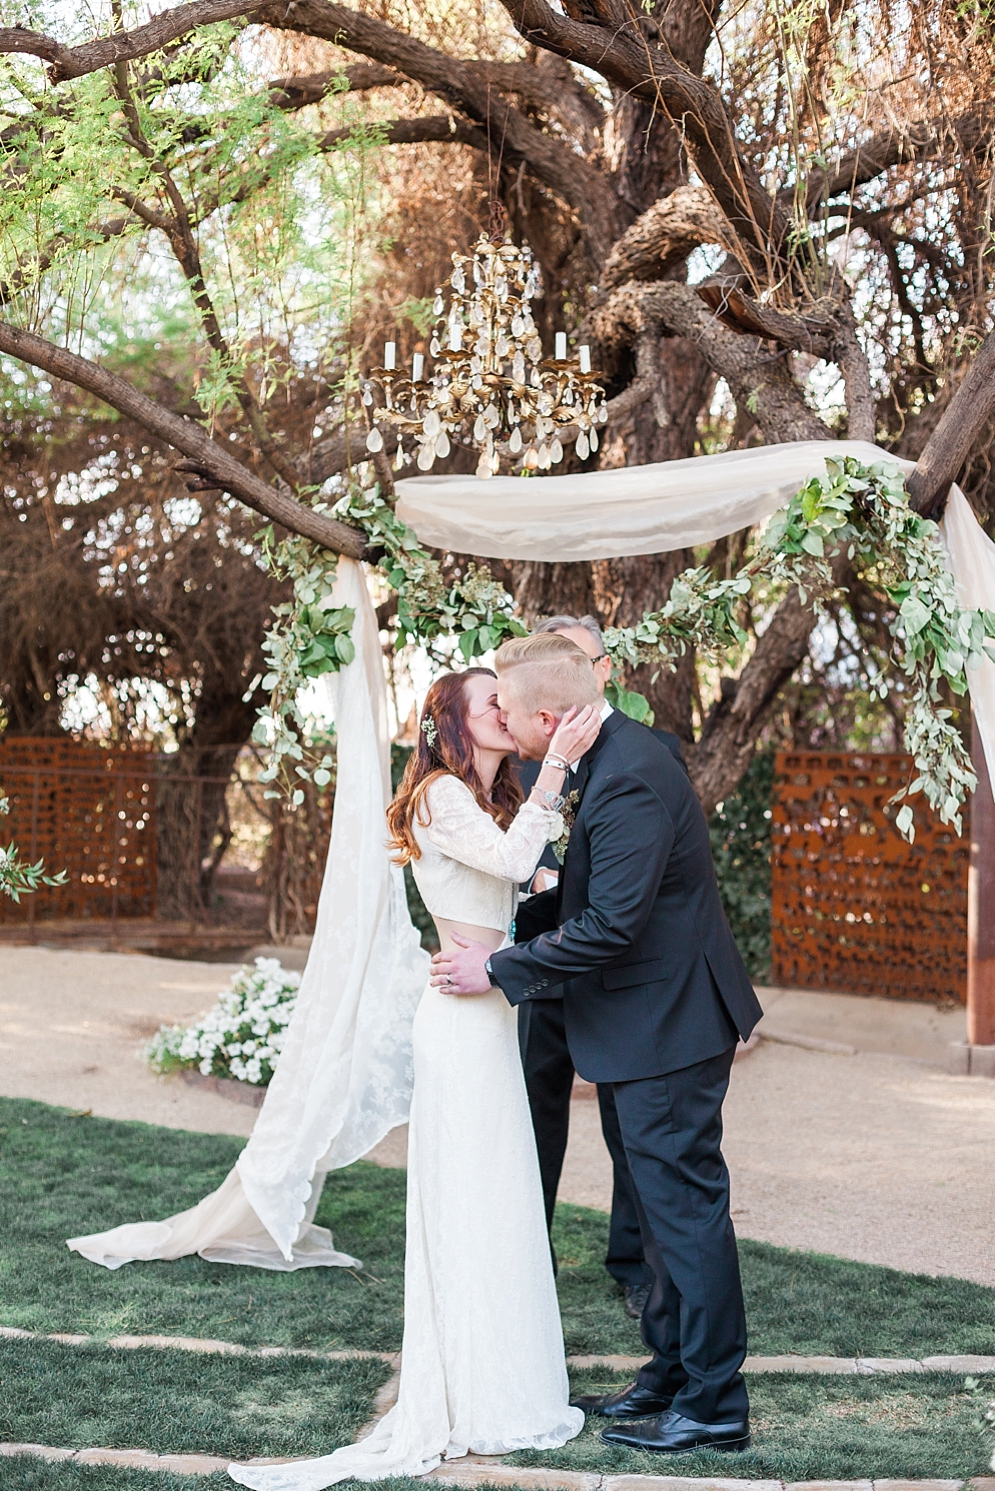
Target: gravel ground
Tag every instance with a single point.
(874, 1156)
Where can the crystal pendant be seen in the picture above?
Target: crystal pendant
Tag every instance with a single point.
(555, 451)
(515, 443)
(479, 428)
(484, 468)
(374, 440)
(594, 439)
(442, 446)
(426, 456)
(432, 424)
(582, 447)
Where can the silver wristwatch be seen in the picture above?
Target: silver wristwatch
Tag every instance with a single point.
(489, 971)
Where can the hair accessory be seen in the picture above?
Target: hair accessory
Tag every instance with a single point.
(428, 729)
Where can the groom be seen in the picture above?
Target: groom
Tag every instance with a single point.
(655, 996)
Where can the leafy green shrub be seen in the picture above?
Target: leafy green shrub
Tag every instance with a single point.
(740, 832)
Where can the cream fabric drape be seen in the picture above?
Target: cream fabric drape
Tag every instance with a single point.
(672, 505)
(344, 1078)
(608, 514)
(972, 561)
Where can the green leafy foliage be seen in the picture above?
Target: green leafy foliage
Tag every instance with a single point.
(635, 705)
(863, 511)
(17, 877)
(311, 635)
(740, 831)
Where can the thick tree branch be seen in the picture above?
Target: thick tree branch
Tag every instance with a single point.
(665, 234)
(310, 88)
(918, 141)
(759, 380)
(967, 414)
(121, 46)
(463, 86)
(210, 458)
(652, 74)
(436, 127)
(728, 737)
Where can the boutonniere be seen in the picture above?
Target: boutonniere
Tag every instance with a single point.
(563, 822)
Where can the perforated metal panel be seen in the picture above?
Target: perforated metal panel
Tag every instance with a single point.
(85, 810)
(854, 907)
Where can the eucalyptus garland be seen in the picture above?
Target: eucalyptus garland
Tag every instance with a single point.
(863, 510)
(311, 636)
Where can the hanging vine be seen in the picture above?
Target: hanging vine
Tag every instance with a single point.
(862, 510)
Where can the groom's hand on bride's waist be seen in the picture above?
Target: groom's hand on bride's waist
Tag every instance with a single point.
(462, 969)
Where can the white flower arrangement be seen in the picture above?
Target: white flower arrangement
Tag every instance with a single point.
(241, 1036)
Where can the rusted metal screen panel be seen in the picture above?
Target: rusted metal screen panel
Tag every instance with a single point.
(86, 810)
(853, 906)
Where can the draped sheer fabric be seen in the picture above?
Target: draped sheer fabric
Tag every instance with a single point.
(345, 1075)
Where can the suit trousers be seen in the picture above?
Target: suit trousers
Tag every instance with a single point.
(694, 1322)
(549, 1076)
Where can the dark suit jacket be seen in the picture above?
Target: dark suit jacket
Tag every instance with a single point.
(529, 770)
(637, 944)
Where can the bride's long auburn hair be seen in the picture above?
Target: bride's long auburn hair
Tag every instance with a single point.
(450, 753)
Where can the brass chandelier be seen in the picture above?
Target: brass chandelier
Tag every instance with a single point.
(490, 386)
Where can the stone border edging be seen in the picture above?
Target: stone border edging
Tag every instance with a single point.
(850, 1366)
(475, 1471)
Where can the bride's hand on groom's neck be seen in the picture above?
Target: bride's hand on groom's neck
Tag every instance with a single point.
(576, 733)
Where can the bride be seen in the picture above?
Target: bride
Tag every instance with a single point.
(482, 1364)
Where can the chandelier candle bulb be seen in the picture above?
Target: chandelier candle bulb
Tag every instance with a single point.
(561, 346)
(417, 367)
(455, 339)
(389, 356)
(585, 358)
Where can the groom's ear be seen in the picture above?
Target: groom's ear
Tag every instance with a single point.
(549, 722)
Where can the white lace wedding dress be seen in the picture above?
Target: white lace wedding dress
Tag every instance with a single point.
(482, 1364)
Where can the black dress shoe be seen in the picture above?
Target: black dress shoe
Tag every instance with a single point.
(633, 1402)
(671, 1434)
(635, 1296)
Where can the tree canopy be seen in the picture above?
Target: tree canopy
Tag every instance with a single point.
(771, 220)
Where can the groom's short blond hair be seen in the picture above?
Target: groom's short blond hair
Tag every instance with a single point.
(547, 671)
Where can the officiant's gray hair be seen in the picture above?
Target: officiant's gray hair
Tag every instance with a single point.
(549, 672)
(568, 623)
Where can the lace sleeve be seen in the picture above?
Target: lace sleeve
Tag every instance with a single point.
(463, 831)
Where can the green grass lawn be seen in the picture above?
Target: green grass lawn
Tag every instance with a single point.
(179, 1401)
(818, 1428)
(28, 1473)
(61, 1175)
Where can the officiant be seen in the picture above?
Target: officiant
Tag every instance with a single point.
(549, 1068)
